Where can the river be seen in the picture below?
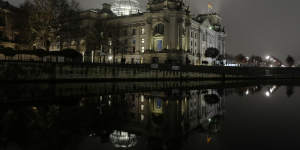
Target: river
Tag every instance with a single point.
(150, 115)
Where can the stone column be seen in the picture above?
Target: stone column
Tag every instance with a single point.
(148, 33)
(173, 35)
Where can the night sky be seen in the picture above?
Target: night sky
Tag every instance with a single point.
(258, 27)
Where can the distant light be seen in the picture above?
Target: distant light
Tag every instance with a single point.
(142, 117)
(282, 65)
(267, 57)
(271, 66)
(110, 57)
(268, 94)
(247, 92)
(142, 98)
(273, 89)
(34, 108)
(231, 65)
(210, 27)
(209, 120)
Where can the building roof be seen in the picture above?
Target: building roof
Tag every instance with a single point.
(6, 5)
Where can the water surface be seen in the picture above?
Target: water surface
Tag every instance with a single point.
(146, 115)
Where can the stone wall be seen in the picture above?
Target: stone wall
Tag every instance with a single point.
(35, 71)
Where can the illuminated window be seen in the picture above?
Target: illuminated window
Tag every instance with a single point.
(143, 49)
(143, 41)
(142, 107)
(159, 103)
(142, 117)
(143, 31)
(159, 45)
(142, 98)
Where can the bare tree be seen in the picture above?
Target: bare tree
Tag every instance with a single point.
(46, 20)
(290, 61)
(212, 52)
(256, 60)
(105, 36)
(240, 58)
(22, 26)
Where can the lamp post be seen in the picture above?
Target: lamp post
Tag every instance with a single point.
(267, 60)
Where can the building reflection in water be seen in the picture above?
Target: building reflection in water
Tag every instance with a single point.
(164, 118)
(86, 119)
(271, 90)
(267, 90)
(123, 139)
(156, 119)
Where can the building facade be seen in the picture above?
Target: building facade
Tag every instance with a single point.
(167, 33)
(165, 115)
(7, 34)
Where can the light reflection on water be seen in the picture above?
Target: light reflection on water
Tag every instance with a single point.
(215, 117)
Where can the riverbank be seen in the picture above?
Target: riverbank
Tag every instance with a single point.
(62, 92)
(37, 71)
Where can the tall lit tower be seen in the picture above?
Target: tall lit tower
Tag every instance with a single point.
(125, 7)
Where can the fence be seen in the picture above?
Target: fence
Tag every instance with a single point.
(31, 71)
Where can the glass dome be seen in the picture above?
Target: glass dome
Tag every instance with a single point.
(125, 7)
(121, 139)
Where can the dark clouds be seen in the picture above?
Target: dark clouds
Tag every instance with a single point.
(257, 27)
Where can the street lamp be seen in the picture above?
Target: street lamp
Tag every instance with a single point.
(268, 60)
(268, 94)
(110, 58)
(268, 57)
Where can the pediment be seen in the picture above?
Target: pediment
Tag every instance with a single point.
(206, 23)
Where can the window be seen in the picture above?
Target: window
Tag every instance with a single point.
(159, 45)
(133, 42)
(57, 45)
(125, 33)
(143, 31)
(143, 41)
(192, 43)
(159, 29)
(142, 107)
(159, 103)
(2, 21)
(142, 98)
(195, 35)
(133, 31)
(204, 37)
(143, 49)
(133, 49)
(192, 34)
